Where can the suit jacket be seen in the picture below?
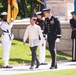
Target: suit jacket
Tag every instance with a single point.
(73, 26)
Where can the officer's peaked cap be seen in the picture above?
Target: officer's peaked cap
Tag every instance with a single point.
(72, 13)
(46, 9)
(4, 13)
(38, 13)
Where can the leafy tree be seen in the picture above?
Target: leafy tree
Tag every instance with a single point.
(27, 8)
(3, 5)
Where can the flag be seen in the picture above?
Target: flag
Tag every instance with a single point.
(75, 7)
(42, 4)
(9, 12)
(14, 9)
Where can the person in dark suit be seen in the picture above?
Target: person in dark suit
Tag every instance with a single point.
(53, 30)
(73, 35)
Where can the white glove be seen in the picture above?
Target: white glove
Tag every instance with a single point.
(58, 39)
(12, 36)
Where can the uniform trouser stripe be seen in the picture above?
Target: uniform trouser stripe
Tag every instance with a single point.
(73, 49)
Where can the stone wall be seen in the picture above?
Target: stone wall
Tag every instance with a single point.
(61, 8)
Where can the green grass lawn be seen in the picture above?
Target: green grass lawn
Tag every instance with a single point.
(54, 72)
(21, 54)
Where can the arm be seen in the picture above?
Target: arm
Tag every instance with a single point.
(72, 23)
(58, 28)
(41, 35)
(45, 27)
(25, 36)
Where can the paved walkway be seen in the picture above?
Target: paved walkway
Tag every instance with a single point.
(25, 68)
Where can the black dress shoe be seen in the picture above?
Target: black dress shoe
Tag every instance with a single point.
(53, 67)
(32, 67)
(56, 67)
(43, 63)
(37, 66)
(7, 67)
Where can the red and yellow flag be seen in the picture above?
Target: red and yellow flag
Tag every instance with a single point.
(12, 10)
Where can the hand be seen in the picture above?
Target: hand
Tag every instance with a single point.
(23, 43)
(12, 19)
(42, 44)
(44, 35)
(58, 39)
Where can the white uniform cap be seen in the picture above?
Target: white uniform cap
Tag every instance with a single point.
(38, 13)
(4, 13)
(46, 9)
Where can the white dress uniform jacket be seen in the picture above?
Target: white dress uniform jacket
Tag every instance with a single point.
(6, 42)
(33, 32)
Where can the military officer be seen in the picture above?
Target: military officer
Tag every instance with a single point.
(40, 22)
(53, 31)
(6, 39)
(73, 36)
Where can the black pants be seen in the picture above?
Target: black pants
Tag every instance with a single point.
(34, 57)
(52, 52)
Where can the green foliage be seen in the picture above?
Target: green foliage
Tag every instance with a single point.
(3, 4)
(26, 7)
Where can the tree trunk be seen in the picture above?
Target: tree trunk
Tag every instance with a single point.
(24, 8)
(32, 8)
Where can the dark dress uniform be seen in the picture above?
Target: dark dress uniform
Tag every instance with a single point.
(53, 31)
(73, 37)
(40, 22)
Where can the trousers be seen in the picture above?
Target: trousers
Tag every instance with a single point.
(34, 57)
(42, 50)
(6, 45)
(52, 52)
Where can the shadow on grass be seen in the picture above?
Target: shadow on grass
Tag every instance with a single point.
(60, 56)
(20, 61)
(18, 40)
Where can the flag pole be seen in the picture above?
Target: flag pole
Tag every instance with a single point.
(9, 11)
(11, 8)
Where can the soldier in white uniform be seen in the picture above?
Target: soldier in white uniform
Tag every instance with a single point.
(6, 39)
(42, 49)
(32, 32)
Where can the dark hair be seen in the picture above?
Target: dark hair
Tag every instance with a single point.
(72, 13)
(32, 18)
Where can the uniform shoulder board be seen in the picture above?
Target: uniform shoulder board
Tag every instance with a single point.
(56, 19)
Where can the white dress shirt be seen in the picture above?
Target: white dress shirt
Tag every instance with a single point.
(33, 32)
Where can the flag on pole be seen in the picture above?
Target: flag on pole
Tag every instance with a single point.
(75, 7)
(9, 11)
(42, 4)
(12, 10)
